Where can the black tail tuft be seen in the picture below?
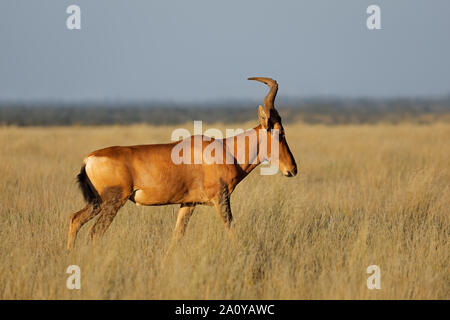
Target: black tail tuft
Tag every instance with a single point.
(89, 193)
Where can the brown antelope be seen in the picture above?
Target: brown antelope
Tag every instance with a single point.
(147, 175)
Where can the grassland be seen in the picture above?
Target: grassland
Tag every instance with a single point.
(365, 194)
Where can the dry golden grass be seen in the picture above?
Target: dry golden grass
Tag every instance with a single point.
(365, 195)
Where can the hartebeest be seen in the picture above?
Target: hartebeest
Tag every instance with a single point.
(146, 174)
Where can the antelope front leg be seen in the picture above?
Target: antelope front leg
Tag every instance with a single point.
(222, 204)
(184, 214)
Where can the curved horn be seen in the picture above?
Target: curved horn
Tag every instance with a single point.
(270, 98)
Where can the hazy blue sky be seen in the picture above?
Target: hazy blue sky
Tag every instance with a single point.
(204, 50)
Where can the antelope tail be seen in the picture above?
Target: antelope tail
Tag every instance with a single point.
(90, 194)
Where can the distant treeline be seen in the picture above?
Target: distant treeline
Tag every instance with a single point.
(324, 111)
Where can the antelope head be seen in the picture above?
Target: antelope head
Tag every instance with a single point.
(270, 121)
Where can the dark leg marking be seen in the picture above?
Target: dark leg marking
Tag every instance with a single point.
(113, 201)
(223, 206)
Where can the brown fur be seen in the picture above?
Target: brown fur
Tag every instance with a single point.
(146, 175)
(223, 206)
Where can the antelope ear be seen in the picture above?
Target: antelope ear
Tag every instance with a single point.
(263, 118)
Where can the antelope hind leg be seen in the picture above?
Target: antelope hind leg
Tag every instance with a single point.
(78, 219)
(113, 201)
